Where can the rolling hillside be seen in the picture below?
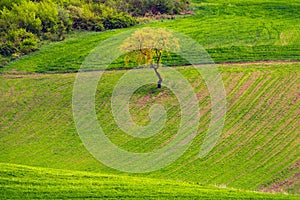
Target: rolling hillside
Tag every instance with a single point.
(257, 47)
(231, 31)
(22, 182)
(259, 148)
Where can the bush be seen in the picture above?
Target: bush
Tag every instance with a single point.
(18, 41)
(7, 48)
(8, 3)
(119, 21)
(84, 18)
(153, 7)
(25, 17)
(48, 14)
(64, 19)
(3, 61)
(28, 45)
(98, 17)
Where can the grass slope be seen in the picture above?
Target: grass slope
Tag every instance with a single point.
(259, 148)
(231, 31)
(22, 182)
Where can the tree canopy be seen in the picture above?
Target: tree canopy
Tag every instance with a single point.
(147, 46)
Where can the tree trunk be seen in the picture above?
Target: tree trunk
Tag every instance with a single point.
(159, 78)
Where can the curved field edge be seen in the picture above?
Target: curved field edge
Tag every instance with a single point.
(24, 182)
(258, 150)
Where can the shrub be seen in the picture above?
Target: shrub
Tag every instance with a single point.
(18, 41)
(65, 19)
(84, 18)
(3, 61)
(28, 45)
(119, 21)
(142, 7)
(98, 17)
(8, 3)
(7, 48)
(48, 14)
(25, 16)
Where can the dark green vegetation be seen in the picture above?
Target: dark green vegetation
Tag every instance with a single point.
(47, 183)
(23, 23)
(259, 148)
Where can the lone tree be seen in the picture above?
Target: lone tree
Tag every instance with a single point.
(147, 46)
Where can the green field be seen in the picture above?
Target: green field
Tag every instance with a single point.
(42, 156)
(231, 31)
(37, 126)
(48, 183)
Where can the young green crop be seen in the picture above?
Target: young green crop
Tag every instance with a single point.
(22, 182)
(259, 146)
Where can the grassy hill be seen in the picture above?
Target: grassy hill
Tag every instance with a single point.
(22, 182)
(231, 31)
(259, 148)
